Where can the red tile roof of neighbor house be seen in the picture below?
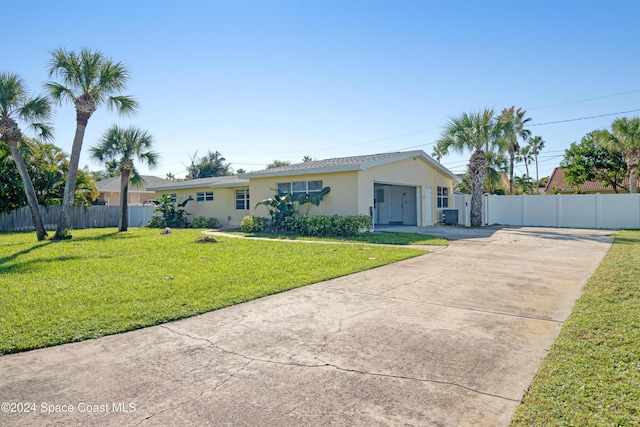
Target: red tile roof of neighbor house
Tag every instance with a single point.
(556, 180)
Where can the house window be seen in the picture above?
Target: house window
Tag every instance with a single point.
(242, 200)
(443, 197)
(172, 197)
(299, 188)
(204, 196)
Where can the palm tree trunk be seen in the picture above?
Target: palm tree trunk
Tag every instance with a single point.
(32, 199)
(511, 158)
(633, 158)
(62, 232)
(537, 176)
(124, 204)
(477, 172)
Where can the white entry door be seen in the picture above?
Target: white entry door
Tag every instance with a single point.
(396, 204)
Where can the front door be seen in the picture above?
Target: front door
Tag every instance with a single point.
(396, 204)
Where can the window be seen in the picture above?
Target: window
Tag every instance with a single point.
(242, 200)
(443, 197)
(172, 197)
(204, 196)
(299, 188)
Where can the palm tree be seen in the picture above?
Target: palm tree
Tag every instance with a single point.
(624, 138)
(436, 153)
(525, 157)
(478, 133)
(536, 144)
(124, 146)
(514, 130)
(16, 105)
(89, 80)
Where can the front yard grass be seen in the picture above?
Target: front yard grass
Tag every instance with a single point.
(591, 377)
(102, 282)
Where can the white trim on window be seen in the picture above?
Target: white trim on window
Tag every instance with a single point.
(204, 196)
(242, 200)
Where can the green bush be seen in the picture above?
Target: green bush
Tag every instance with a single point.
(254, 224)
(156, 222)
(204, 222)
(322, 225)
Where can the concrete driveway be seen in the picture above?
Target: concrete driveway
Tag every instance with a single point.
(446, 339)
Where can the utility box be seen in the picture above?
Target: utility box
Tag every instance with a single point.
(450, 216)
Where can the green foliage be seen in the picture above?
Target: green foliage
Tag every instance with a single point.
(590, 161)
(278, 164)
(210, 165)
(324, 225)
(204, 222)
(283, 206)
(104, 282)
(173, 214)
(591, 376)
(254, 224)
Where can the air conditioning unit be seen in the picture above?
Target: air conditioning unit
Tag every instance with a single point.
(450, 216)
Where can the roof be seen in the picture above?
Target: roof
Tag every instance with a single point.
(556, 180)
(344, 164)
(216, 181)
(113, 184)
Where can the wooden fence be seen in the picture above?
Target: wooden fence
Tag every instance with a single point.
(82, 217)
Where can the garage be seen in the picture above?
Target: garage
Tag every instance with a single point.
(395, 204)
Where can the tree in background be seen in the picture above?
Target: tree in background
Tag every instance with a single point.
(525, 156)
(125, 146)
(11, 188)
(89, 80)
(536, 144)
(590, 161)
(307, 159)
(478, 133)
(515, 128)
(240, 170)
(624, 138)
(15, 105)
(210, 165)
(170, 177)
(278, 164)
(437, 154)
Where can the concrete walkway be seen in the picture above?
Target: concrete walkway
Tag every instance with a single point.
(446, 339)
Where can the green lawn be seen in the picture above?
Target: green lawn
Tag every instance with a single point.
(591, 377)
(103, 282)
(377, 238)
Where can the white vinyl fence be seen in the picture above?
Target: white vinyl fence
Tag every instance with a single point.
(605, 211)
(82, 217)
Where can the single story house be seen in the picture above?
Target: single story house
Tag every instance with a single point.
(408, 188)
(557, 184)
(136, 195)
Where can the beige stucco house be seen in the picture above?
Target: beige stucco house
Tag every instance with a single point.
(396, 188)
(136, 195)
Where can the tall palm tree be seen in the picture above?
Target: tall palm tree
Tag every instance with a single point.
(624, 138)
(16, 105)
(536, 144)
(124, 146)
(516, 129)
(525, 157)
(89, 80)
(477, 132)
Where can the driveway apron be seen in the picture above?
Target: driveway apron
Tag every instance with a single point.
(445, 339)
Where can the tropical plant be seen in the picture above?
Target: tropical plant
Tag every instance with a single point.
(11, 188)
(205, 222)
(124, 146)
(254, 224)
(525, 156)
(536, 144)
(624, 138)
(497, 168)
(307, 159)
(173, 214)
(437, 153)
(278, 164)
(15, 106)
(210, 165)
(89, 80)
(283, 205)
(514, 121)
(523, 184)
(477, 132)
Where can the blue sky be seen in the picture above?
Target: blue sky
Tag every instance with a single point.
(259, 81)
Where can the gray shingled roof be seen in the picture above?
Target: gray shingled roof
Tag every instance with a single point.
(347, 164)
(217, 181)
(113, 184)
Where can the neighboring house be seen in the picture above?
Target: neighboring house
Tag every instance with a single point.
(407, 188)
(137, 195)
(557, 184)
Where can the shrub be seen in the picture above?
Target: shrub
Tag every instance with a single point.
(322, 225)
(204, 222)
(254, 224)
(156, 222)
(173, 214)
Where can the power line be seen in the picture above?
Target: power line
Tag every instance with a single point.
(585, 100)
(584, 118)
